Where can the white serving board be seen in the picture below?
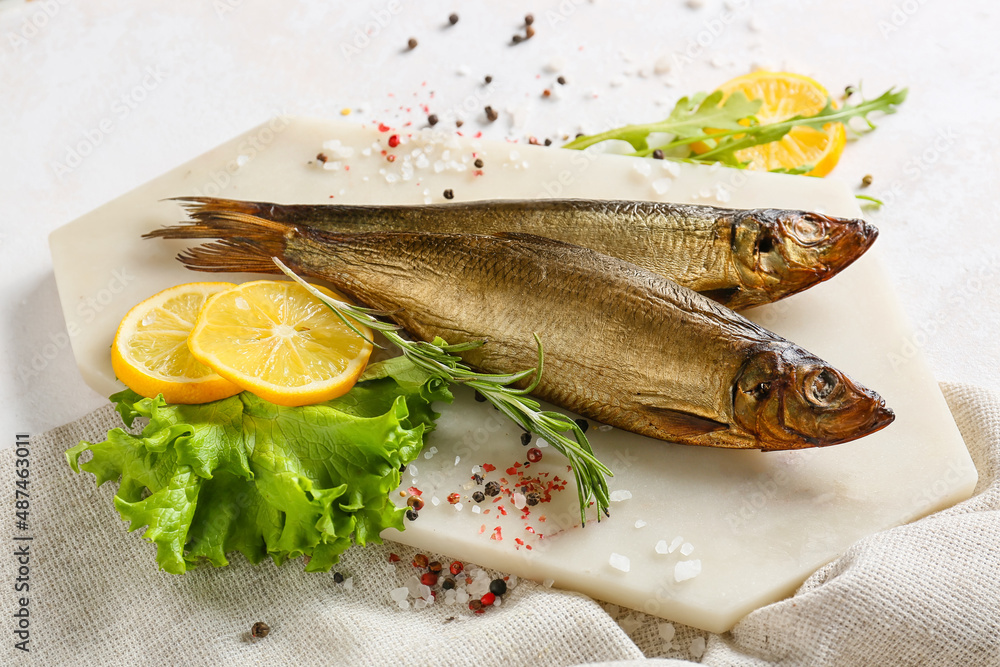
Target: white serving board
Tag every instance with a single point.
(758, 523)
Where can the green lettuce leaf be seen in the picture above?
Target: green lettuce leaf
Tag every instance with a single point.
(244, 475)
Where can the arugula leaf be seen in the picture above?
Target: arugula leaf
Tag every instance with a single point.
(242, 474)
(731, 126)
(689, 118)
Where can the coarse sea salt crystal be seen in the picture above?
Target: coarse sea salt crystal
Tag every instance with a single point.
(519, 500)
(666, 631)
(639, 523)
(661, 185)
(476, 509)
(661, 547)
(671, 167)
(349, 584)
(403, 604)
(366, 152)
(629, 624)
(422, 162)
(419, 604)
(512, 581)
(458, 507)
(619, 562)
(677, 541)
(413, 470)
(242, 160)
(458, 459)
(687, 569)
(435, 501)
(541, 443)
(722, 193)
(425, 591)
(642, 167)
(400, 593)
(548, 583)
(428, 455)
(604, 428)
(413, 586)
(461, 597)
(687, 548)
(619, 495)
(697, 647)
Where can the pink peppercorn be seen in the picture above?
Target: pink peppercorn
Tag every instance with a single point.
(534, 455)
(456, 567)
(488, 599)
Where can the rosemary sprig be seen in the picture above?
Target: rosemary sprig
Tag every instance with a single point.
(437, 358)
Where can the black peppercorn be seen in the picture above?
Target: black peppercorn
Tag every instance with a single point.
(657, 154)
(561, 81)
(432, 120)
(479, 397)
(448, 194)
(453, 19)
(478, 163)
(448, 583)
(412, 42)
(525, 438)
(491, 114)
(259, 630)
(498, 587)
(533, 498)
(583, 424)
(478, 496)
(338, 578)
(412, 514)
(492, 488)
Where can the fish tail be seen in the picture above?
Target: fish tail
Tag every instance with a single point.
(246, 242)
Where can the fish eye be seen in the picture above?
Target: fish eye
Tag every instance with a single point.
(761, 390)
(822, 385)
(765, 243)
(808, 229)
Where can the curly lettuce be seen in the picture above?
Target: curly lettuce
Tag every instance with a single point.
(244, 475)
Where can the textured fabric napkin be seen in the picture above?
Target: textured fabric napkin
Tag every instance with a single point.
(925, 593)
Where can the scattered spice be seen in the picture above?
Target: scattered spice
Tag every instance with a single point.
(489, 79)
(434, 566)
(453, 498)
(412, 43)
(529, 19)
(517, 39)
(459, 123)
(420, 560)
(456, 567)
(475, 605)
(453, 19)
(338, 578)
(534, 455)
(866, 181)
(448, 194)
(479, 165)
(488, 599)
(416, 502)
(492, 489)
(498, 587)
(428, 578)
(526, 438)
(393, 141)
(477, 478)
(260, 629)
(561, 81)
(533, 498)
(432, 120)
(546, 93)
(657, 154)
(849, 90)
(411, 514)
(548, 142)
(583, 424)
(479, 397)
(478, 496)
(448, 583)
(394, 558)
(529, 32)
(321, 157)
(491, 114)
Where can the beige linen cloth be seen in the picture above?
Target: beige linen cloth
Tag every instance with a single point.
(923, 594)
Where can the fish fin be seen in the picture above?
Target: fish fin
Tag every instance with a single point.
(682, 424)
(247, 243)
(723, 295)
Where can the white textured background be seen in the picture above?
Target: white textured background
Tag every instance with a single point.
(142, 87)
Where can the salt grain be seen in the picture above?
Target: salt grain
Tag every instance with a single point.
(619, 495)
(640, 523)
(548, 583)
(242, 160)
(476, 509)
(642, 167)
(697, 647)
(676, 543)
(629, 624)
(661, 547)
(519, 500)
(604, 428)
(419, 604)
(458, 507)
(666, 631)
(458, 459)
(349, 584)
(540, 443)
(661, 185)
(663, 65)
(687, 548)
(687, 569)
(435, 501)
(403, 604)
(619, 562)
(412, 470)
(399, 594)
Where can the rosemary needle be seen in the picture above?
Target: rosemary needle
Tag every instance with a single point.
(437, 359)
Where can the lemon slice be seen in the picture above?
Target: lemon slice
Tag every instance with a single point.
(784, 95)
(150, 352)
(280, 342)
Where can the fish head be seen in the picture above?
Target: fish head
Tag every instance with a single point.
(783, 252)
(789, 399)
